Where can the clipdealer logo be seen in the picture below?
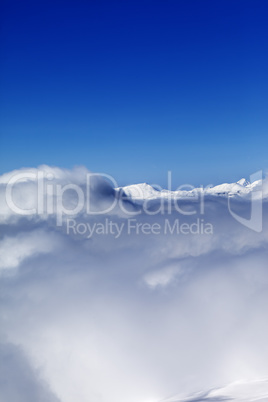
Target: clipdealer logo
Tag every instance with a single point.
(254, 222)
(48, 198)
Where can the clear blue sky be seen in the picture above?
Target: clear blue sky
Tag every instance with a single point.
(136, 88)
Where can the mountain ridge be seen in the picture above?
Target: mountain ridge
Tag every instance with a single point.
(143, 191)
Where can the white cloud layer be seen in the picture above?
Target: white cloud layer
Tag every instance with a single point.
(137, 318)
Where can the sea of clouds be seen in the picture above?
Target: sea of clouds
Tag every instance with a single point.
(142, 317)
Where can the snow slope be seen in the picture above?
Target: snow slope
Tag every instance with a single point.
(239, 391)
(144, 191)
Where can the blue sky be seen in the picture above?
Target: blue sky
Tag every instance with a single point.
(136, 88)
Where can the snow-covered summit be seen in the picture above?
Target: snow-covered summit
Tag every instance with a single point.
(243, 182)
(144, 191)
(140, 191)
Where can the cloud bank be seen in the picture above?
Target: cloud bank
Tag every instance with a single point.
(141, 317)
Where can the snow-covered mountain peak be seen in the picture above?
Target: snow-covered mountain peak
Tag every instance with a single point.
(243, 182)
(140, 191)
(144, 191)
